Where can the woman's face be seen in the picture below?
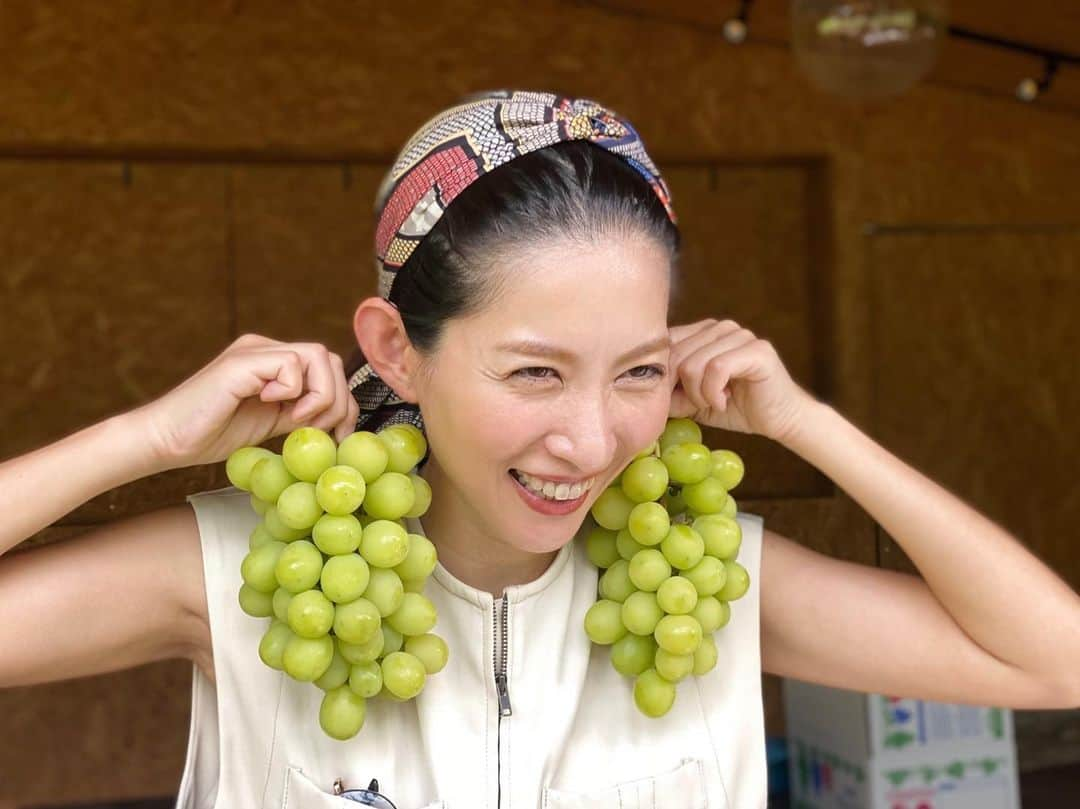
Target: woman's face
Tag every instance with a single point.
(490, 408)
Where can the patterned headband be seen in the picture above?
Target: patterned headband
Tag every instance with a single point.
(449, 152)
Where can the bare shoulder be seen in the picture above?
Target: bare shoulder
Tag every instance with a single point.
(119, 595)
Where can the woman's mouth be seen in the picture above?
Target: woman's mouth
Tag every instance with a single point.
(548, 497)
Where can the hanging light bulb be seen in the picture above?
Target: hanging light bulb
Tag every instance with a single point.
(867, 49)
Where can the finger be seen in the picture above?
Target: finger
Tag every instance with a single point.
(348, 426)
(697, 335)
(271, 375)
(702, 363)
(319, 385)
(333, 415)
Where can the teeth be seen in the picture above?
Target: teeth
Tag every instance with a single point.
(552, 490)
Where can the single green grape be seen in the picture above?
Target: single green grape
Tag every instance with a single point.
(707, 576)
(626, 545)
(392, 639)
(255, 603)
(389, 496)
(385, 590)
(273, 643)
(413, 585)
(602, 622)
(641, 613)
(277, 528)
(415, 616)
(615, 582)
(728, 466)
(257, 505)
(405, 447)
(365, 679)
(280, 603)
(310, 614)
(298, 507)
(342, 713)
(335, 676)
(683, 547)
(633, 654)
(679, 431)
(737, 582)
(706, 496)
(652, 449)
(673, 667)
(384, 543)
(340, 490)
(308, 452)
(357, 621)
(673, 502)
(731, 508)
(705, 656)
(364, 452)
(362, 652)
(645, 479)
(257, 568)
(422, 500)
(678, 634)
(711, 613)
(722, 535)
(403, 674)
(336, 536)
(649, 523)
(648, 569)
(239, 464)
(677, 596)
(307, 659)
(270, 477)
(612, 508)
(653, 695)
(259, 536)
(419, 561)
(430, 649)
(600, 547)
(299, 566)
(687, 463)
(344, 578)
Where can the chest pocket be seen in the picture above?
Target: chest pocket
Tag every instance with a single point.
(302, 793)
(680, 788)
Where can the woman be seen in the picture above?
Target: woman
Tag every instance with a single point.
(526, 248)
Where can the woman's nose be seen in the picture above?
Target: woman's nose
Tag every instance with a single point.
(583, 435)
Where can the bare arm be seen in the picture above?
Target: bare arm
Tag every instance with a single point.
(120, 595)
(1003, 600)
(71, 471)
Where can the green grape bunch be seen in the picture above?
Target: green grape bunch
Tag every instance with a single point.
(666, 538)
(334, 568)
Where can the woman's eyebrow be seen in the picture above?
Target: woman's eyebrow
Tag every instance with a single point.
(538, 348)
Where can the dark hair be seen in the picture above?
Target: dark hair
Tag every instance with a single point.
(572, 189)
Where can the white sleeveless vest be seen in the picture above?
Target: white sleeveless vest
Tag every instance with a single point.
(568, 735)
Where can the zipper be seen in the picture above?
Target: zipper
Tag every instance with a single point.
(499, 609)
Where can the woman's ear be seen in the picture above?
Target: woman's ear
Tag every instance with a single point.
(381, 335)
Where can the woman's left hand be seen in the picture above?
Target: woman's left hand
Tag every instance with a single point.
(725, 377)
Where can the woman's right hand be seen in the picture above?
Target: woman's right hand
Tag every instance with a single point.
(256, 389)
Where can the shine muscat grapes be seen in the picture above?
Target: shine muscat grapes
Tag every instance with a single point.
(334, 568)
(665, 537)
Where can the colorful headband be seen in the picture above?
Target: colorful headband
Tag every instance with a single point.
(453, 149)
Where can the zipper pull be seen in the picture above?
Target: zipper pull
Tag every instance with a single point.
(504, 695)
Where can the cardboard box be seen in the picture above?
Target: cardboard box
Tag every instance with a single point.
(849, 750)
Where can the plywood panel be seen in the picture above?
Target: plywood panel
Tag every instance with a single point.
(976, 339)
(115, 287)
(304, 249)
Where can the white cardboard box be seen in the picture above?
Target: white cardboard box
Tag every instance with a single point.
(849, 750)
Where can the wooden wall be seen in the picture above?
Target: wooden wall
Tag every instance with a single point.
(170, 179)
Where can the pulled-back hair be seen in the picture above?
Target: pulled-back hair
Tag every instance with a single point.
(569, 190)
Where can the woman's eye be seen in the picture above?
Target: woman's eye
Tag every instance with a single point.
(651, 371)
(525, 372)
